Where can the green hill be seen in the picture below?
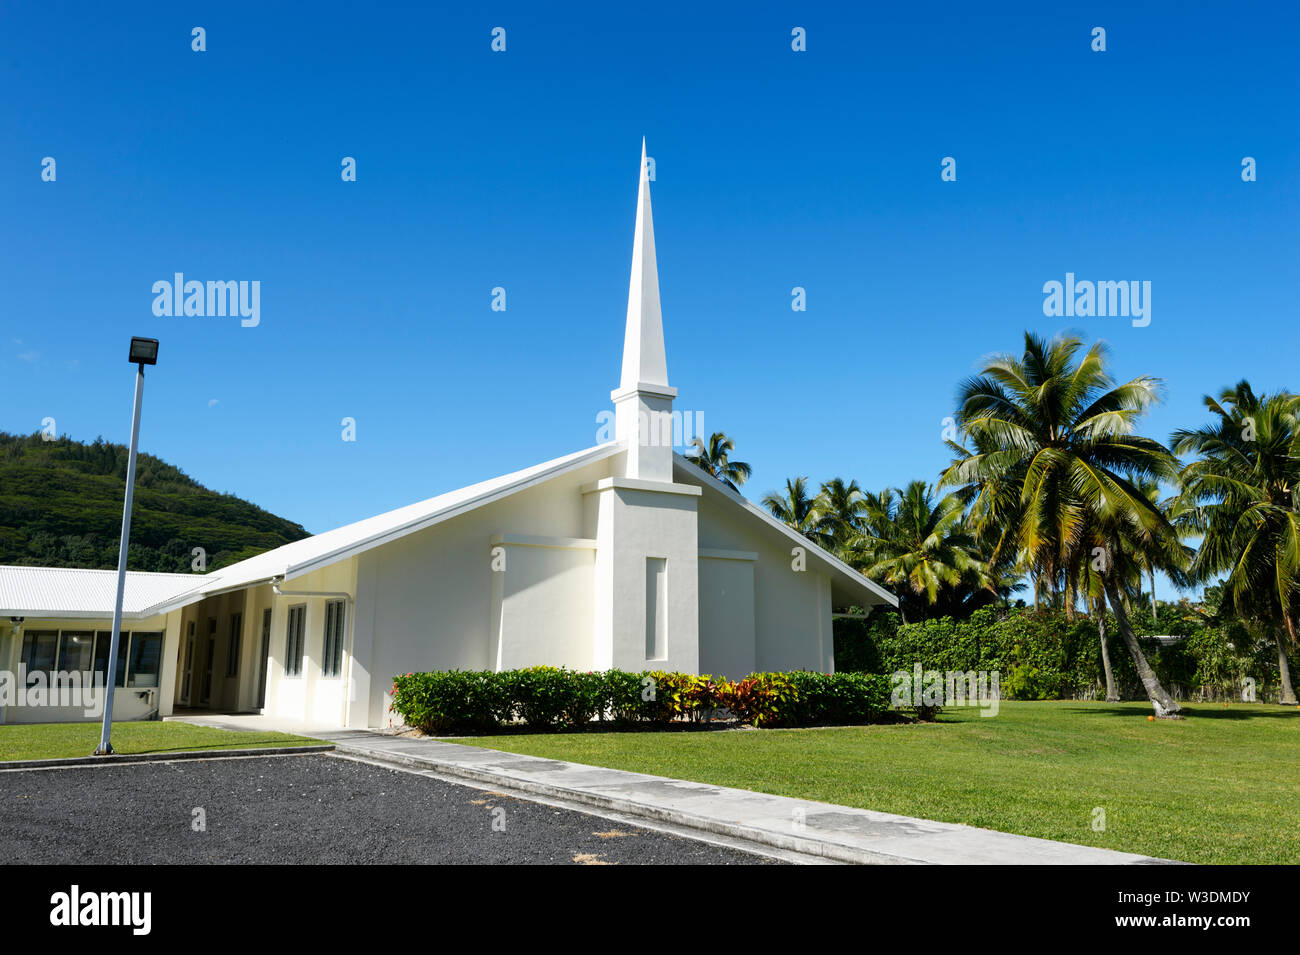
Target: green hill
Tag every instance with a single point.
(61, 506)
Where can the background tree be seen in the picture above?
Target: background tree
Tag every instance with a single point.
(797, 509)
(1241, 496)
(921, 548)
(714, 458)
(1052, 423)
(61, 506)
(843, 508)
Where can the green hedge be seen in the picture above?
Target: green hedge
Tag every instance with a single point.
(548, 698)
(1043, 655)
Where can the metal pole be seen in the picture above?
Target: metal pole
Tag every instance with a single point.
(105, 746)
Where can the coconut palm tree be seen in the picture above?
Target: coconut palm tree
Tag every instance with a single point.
(797, 509)
(920, 547)
(715, 458)
(1241, 495)
(1053, 424)
(844, 508)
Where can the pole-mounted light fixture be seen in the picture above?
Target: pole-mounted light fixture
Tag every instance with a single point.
(144, 351)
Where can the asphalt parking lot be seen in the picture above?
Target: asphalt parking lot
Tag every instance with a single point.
(315, 809)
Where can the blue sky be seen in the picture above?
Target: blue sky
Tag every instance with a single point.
(477, 169)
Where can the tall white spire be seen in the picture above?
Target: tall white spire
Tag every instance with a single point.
(644, 361)
(644, 400)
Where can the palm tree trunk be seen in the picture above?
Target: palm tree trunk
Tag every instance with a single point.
(1112, 692)
(1152, 574)
(1288, 692)
(1164, 704)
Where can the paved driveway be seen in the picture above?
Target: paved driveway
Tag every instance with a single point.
(304, 809)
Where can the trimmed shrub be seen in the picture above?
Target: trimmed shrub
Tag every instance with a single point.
(542, 697)
(625, 691)
(545, 697)
(457, 701)
(838, 698)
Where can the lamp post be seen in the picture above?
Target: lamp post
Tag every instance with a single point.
(144, 351)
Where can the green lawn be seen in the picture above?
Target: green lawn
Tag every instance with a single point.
(55, 740)
(1222, 786)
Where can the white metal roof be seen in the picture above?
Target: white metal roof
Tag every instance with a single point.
(72, 592)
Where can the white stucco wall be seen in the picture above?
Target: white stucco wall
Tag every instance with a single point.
(541, 602)
(792, 609)
(425, 602)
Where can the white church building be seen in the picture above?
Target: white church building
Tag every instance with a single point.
(621, 555)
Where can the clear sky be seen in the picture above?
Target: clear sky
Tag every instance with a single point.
(517, 169)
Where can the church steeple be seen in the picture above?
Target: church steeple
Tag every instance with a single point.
(644, 399)
(644, 361)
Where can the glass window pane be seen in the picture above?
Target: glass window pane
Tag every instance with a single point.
(123, 644)
(293, 643)
(39, 647)
(146, 655)
(328, 645)
(332, 660)
(233, 646)
(101, 653)
(76, 651)
(103, 638)
(339, 622)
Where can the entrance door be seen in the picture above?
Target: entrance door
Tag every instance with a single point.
(187, 671)
(266, 657)
(205, 694)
